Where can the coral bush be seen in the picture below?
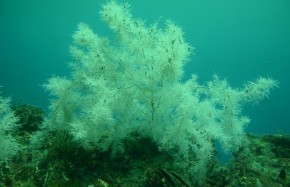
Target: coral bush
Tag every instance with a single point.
(8, 124)
(132, 84)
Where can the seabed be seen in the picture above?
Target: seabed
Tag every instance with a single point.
(61, 162)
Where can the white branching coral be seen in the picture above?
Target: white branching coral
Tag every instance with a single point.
(8, 124)
(133, 85)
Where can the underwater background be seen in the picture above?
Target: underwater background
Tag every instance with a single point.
(238, 40)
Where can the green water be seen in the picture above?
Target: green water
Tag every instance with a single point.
(238, 40)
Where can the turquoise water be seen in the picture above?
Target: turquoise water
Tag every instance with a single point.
(237, 40)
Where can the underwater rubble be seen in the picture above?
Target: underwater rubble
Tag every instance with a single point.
(61, 162)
